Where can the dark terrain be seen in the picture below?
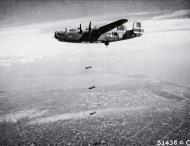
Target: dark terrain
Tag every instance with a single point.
(137, 111)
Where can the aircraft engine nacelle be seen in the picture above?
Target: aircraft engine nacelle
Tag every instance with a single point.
(138, 29)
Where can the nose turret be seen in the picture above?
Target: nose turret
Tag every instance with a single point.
(57, 35)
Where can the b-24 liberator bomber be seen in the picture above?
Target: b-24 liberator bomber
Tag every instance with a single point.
(115, 31)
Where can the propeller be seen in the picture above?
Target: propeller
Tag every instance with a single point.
(89, 28)
(80, 29)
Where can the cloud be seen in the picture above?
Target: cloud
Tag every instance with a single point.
(177, 14)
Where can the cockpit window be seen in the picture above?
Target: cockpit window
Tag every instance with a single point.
(72, 29)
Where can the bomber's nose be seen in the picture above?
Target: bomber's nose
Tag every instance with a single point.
(56, 35)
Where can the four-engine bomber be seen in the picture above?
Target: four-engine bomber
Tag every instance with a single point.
(104, 34)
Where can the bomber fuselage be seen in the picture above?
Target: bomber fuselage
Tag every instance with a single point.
(93, 36)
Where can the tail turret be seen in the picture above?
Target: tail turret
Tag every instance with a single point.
(138, 29)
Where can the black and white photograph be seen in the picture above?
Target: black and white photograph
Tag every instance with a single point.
(94, 73)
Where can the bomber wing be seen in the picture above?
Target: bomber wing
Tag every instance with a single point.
(111, 26)
(95, 33)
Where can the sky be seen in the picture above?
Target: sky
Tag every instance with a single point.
(16, 12)
(28, 48)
